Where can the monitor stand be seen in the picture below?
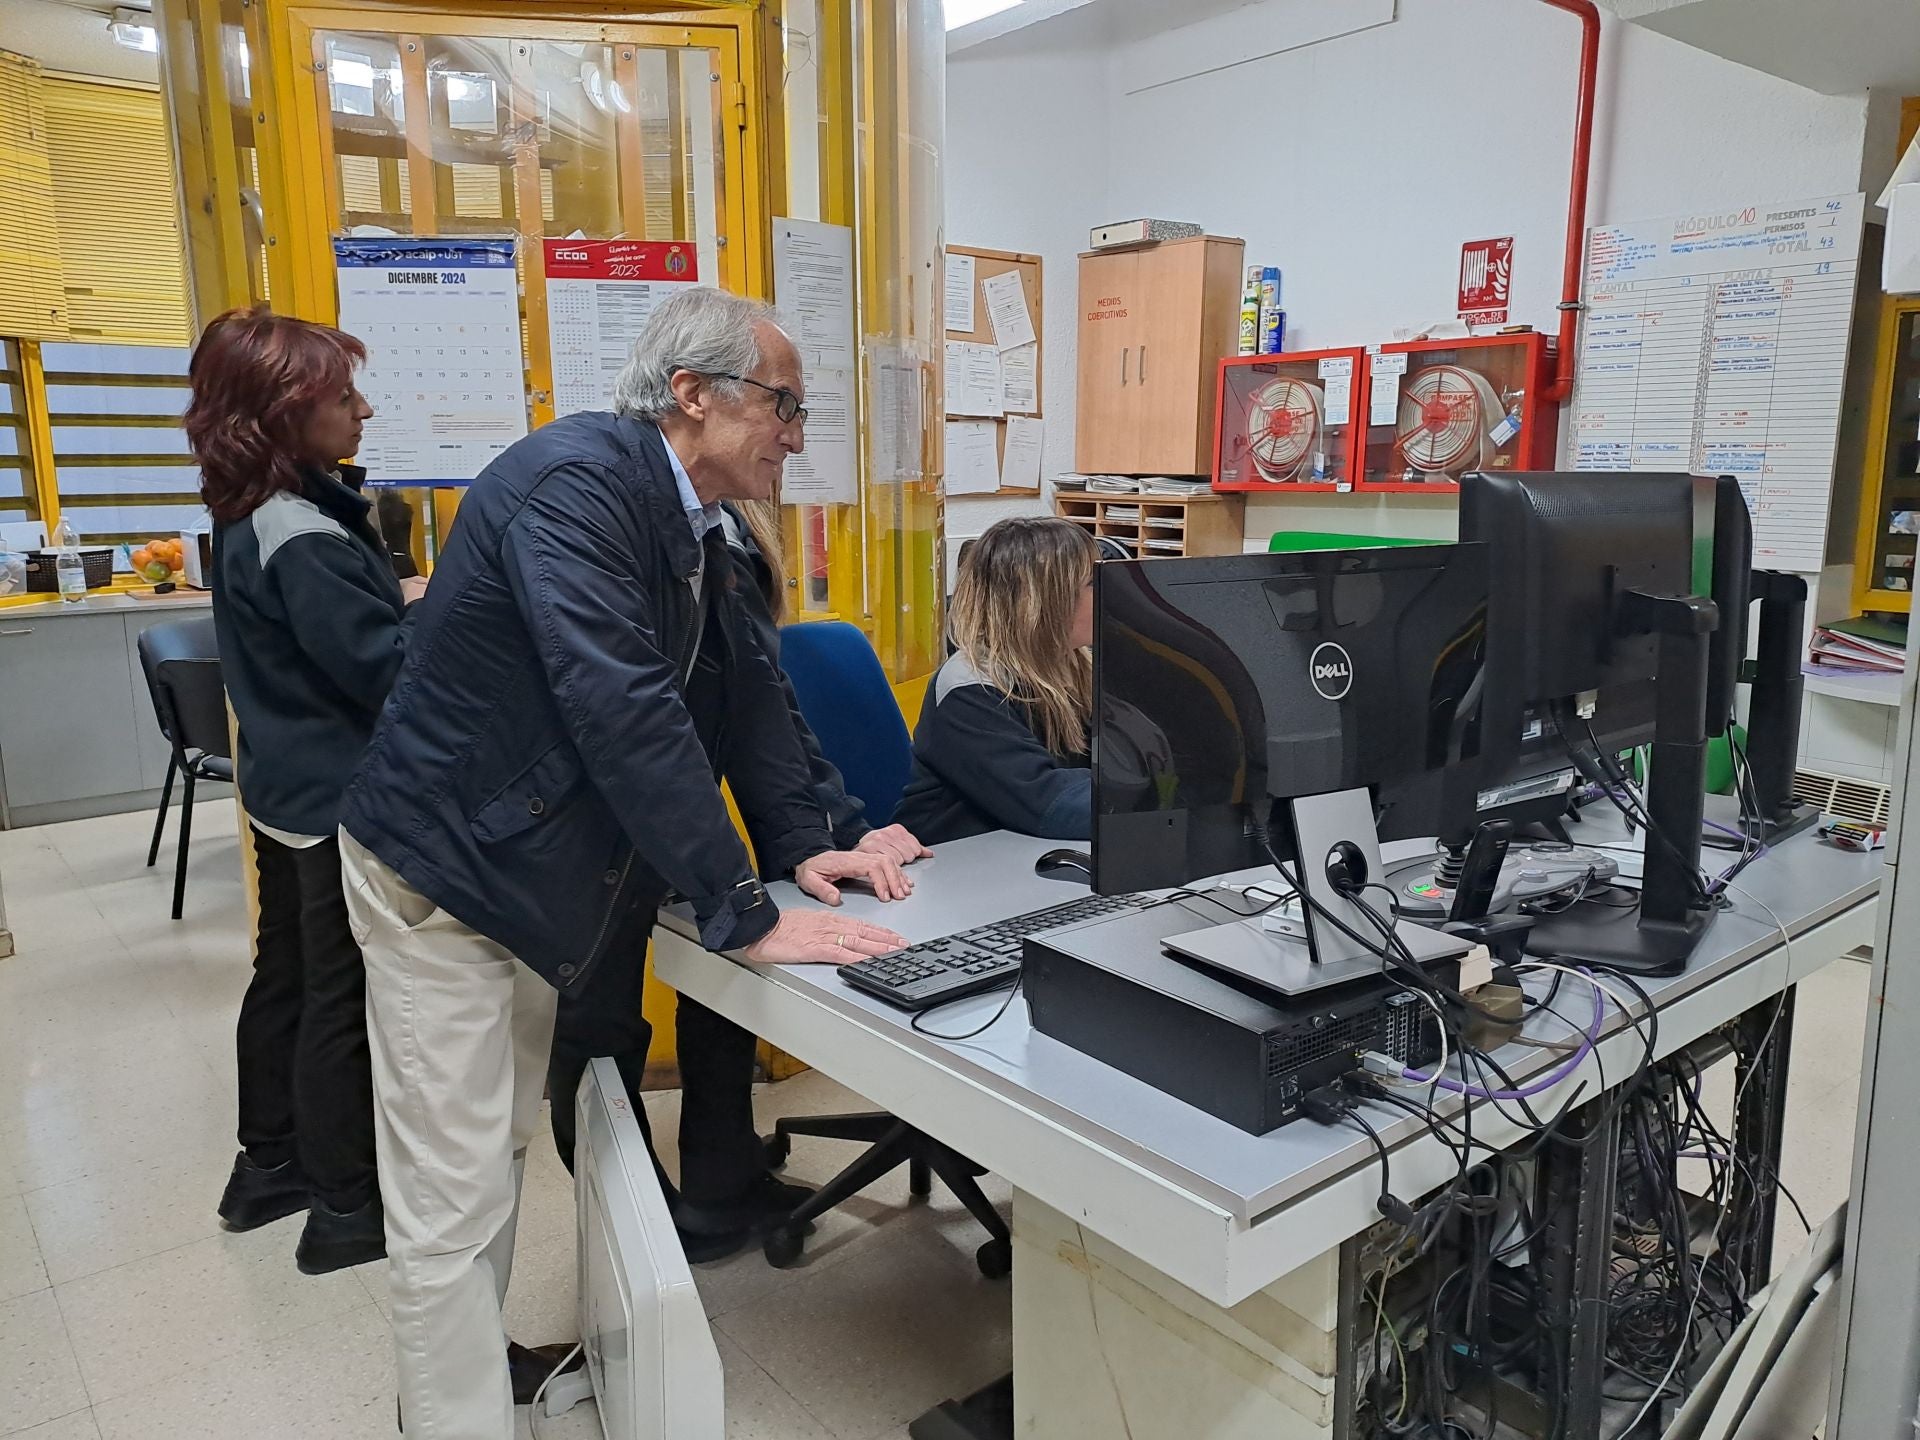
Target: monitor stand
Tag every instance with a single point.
(1658, 935)
(1317, 954)
(1771, 813)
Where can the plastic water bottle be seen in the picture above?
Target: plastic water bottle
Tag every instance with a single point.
(69, 566)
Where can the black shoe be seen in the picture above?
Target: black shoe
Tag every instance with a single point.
(766, 1201)
(530, 1365)
(703, 1247)
(257, 1196)
(333, 1240)
(713, 1232)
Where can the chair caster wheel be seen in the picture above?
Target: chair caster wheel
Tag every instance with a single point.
(995, 1259)
(781, 1247)
(777, 1147)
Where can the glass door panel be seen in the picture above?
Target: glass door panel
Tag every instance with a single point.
(538, 134)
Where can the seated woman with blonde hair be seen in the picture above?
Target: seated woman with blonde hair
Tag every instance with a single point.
(1002, 741)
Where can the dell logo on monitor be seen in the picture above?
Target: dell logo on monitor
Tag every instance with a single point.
(1331, 670)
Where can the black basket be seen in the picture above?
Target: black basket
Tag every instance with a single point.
(43, 570)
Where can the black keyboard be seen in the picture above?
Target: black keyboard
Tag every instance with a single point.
(936, 971)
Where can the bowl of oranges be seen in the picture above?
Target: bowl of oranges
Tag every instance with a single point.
(157, 560)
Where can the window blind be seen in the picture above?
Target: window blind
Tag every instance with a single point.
(32, 281)
(119, 229)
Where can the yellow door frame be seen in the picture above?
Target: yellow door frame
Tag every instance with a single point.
(1867, 593)
(300, 180)
(306, 183)
(299, 183)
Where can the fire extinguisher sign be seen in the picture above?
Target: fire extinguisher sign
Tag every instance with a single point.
(1486, 276)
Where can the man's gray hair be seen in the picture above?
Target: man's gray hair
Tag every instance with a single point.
(704, 330)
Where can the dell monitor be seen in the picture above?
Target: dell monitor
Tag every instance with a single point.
(1596, 611)
(1248, 706)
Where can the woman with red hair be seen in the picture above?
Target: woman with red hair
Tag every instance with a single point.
(311, 629)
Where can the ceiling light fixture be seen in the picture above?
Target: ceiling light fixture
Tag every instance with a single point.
(134, 29)
(965, 12)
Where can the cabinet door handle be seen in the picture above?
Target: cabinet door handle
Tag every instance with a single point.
(1124, 352)
(1143, 364)
(23, 630)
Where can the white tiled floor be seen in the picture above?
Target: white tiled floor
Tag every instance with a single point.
(127, 1314)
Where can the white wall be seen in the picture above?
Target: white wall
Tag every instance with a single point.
(1358, 165)
(1376, 154)
(1026, 163)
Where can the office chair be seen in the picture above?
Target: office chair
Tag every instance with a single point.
(849, 705)
(845, 697)
(182, 665)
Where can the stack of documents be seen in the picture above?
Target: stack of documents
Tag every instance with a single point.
(1859, 646)
(1185, 486)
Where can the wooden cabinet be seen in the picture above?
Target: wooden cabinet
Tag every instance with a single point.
(1154, 323)
(1106, 435)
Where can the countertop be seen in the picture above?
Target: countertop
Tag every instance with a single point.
(118, 602)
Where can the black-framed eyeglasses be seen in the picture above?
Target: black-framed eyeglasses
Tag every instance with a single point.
(786, 404)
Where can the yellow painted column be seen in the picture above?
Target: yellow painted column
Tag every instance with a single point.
(33, 401)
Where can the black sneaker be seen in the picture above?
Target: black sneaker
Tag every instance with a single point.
(257, 1196)
(333, 1240)
(529, 1366)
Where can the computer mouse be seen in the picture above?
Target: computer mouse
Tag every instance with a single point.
(1065, 865)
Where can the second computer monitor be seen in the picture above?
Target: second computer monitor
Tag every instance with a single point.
(1564, 549)
(1226, 683)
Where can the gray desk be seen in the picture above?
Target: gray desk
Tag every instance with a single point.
(78, 735)
(1219, 1248)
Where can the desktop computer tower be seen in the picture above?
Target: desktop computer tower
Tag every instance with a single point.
(1250, 1057)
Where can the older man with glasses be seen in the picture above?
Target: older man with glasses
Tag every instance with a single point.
(546, 774)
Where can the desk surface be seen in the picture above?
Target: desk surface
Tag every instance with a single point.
(989, 877)
(1222, 1212)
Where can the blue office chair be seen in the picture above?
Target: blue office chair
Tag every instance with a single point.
(849, 705)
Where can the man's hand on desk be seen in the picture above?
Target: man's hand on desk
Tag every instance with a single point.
(896, 842)
(880, 873)
(809, 937)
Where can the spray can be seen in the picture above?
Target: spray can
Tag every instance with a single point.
(1273, 320)
(1250, 313)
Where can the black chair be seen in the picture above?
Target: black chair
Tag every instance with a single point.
(845, 696)
(182, 665)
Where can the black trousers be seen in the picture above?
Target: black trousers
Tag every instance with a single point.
(306, 1091)
(720, 1153)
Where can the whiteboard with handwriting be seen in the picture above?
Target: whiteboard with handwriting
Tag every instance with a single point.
(1717, 343)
